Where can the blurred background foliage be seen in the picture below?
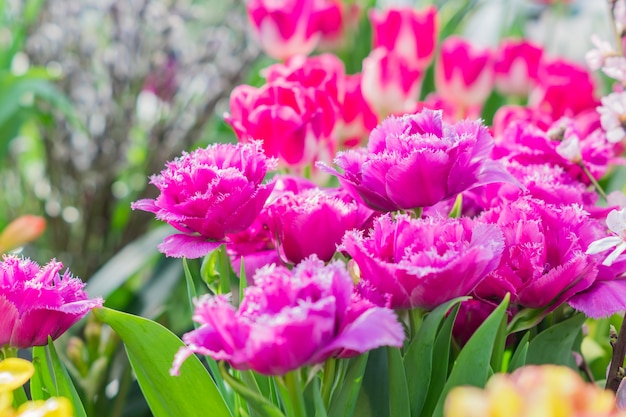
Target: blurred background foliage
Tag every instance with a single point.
(96, 95)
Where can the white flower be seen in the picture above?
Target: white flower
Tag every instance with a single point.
(570, 149)
(595, 57)
(616, 222)
(615, 67)
(613, 115)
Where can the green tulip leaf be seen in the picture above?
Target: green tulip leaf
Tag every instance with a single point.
(556, 344)
(472, 364)
(151, 349)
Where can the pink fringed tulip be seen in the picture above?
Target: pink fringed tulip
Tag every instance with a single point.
(290, 319)
(21, 231)
(546, 182)
(207, 194)
(464, 73)
(544, 261)
(517, 66)
(424, 262)
(37, 302)
(418, 160)
(390, 85)
(313, 221)
(285, 28)
(410, 33)
(525, 143)
(254, 246)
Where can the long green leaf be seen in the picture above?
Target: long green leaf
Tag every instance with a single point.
(440, 362)
(399, 405)
(419, 355)
(344, 399)
(556, 344)
(53, 378)
(151, 349)
(519, 356)
(472, 364)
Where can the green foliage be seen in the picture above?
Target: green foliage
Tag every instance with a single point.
(151, 349)
(472, 364)
(51, 378)
(556, 344)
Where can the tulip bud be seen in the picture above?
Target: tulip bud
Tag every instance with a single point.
(389, 84)
(516, 66)
(20, 231)
(285, 28)
(464, 73)
(410, 33)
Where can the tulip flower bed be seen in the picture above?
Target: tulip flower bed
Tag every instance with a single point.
(435, 234)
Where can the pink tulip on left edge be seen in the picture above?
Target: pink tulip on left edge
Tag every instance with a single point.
(209, 193)
(37, 302)
(290, 319)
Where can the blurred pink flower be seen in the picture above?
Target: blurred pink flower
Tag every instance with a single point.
(516, 66)
(418, 160)
(290, 319)
(37, 302)
(565, 88)
(525, 143)
(424, 262)
(336, 19)
(410, 33)
(207, 194)
(322, 77)
(295, 112)
(285, 27)
(390, 85)
(546, 182)
(464, 73)
(358, 118)
(313, 221)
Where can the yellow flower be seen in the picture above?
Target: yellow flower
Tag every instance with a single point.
(533, 391)
(52, 407)
(14, 373)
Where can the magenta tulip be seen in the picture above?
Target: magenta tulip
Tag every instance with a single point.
(207, 194)
(37, 302)
(290, 319)
(424, 262)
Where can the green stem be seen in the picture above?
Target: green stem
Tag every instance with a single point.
(224, 265)
(417, 213)
(593, 180)
(8, 352)
(416, 317)
(293, 384)
(328, 382)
